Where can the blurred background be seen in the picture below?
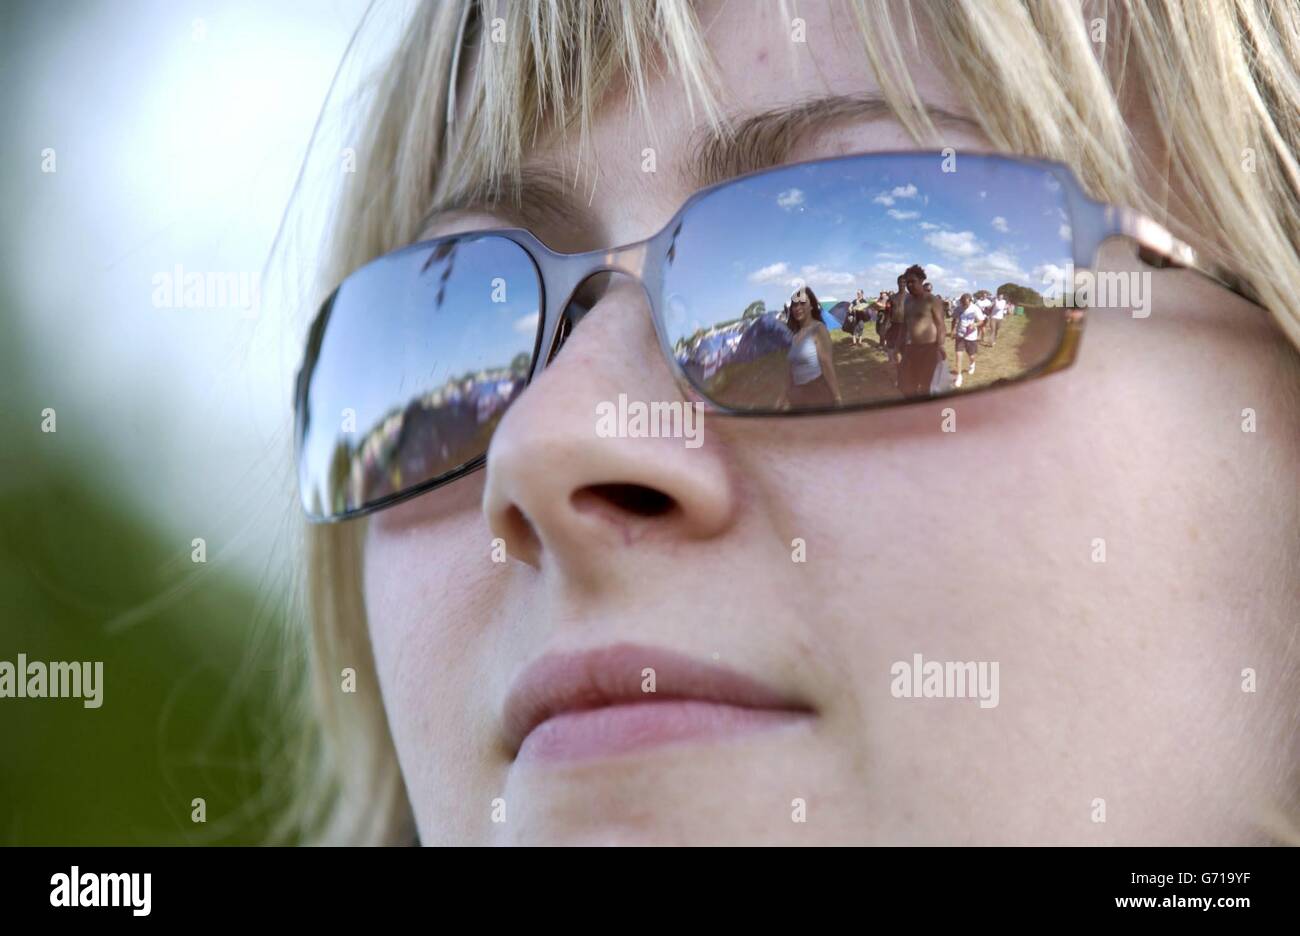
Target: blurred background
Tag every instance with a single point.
(146, 143)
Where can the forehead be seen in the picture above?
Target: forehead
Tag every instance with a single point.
(645, 167)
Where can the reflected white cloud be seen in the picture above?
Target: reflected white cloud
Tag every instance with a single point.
(772, 273)
(955, 243)
(901, 191)
(790, 200)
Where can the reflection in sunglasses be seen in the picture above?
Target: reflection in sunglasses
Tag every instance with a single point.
(444, 428)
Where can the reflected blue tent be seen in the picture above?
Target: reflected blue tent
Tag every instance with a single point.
(834, 315)
(742, 341)
(734, 343)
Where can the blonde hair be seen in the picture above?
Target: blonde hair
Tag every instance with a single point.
(1220, 79)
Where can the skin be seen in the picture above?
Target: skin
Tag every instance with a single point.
(922, 312)
(1120, 680)
(922, 318)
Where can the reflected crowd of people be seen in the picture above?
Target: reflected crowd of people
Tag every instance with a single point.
(430, 435)
(929, 344)
(912, 324)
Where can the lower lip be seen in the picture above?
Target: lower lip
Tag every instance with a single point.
(620, 729)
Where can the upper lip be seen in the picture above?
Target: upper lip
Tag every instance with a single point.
(614, 675)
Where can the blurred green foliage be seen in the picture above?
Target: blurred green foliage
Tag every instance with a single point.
(191, 653)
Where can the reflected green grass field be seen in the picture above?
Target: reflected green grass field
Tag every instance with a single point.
(865, 372)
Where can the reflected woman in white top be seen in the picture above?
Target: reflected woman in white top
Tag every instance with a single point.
(810, 381)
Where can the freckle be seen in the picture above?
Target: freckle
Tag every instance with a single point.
(1193, 534)
(762, 56)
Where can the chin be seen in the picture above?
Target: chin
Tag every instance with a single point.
(768, 789)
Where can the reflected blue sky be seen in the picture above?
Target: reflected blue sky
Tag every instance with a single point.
(847, 225)
(406, 324)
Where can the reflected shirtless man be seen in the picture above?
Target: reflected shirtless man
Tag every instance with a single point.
(923, 331)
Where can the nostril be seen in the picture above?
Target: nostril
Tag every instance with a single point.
(626, 498)
(520, 535)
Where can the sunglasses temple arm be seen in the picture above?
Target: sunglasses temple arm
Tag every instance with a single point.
(1157, 247)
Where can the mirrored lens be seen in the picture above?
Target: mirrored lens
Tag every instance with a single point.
(410, 367)
(869, 279)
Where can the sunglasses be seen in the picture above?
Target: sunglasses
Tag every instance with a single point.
(412, 361)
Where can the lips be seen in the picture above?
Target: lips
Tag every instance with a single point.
(596, 703)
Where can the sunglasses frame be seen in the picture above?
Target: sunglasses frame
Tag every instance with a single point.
(560, 276)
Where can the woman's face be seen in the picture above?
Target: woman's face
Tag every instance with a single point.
(799, 309)
(1108, 536)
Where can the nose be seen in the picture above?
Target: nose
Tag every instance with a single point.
(564, 492)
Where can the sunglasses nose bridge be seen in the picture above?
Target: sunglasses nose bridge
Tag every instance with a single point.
(570, 272)
(629, 260)
(565, 274)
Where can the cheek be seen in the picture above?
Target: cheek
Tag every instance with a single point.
(409, 582)
(427, 572)
(424, 564)
(1103, 517)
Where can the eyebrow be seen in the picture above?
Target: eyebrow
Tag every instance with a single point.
(749, 142)
(767, 138)
(541, 195)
